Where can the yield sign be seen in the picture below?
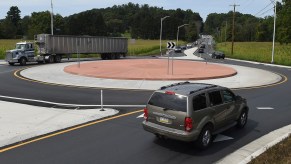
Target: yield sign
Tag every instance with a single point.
(171, 45)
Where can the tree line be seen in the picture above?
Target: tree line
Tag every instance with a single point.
(143, 22)
(251, 28)
(137, 21)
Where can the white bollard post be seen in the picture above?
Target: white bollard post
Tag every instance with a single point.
(102, 109)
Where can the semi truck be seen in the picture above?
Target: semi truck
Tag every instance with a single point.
(52, 48)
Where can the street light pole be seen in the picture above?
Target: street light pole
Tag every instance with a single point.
(274, 33)
(161, 31)
(177, 45)
(52, 19)
(178, 32)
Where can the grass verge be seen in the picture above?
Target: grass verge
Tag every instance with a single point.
(257, 51)
(7, 44)
(280, 153)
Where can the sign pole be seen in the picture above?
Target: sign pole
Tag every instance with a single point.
(170, 47)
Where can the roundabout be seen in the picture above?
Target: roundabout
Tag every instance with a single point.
(151, 69)
(88, 75)
(51, 83)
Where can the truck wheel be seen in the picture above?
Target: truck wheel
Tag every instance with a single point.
(109, 56)
(22, 61)
(205, 137)
(103, 56)
(58, 58)
(51, 59)
(117, 56)
(10, 63)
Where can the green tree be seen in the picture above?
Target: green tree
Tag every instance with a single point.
(10, 26)
(90, 22)
(284, 22)
(39, 23)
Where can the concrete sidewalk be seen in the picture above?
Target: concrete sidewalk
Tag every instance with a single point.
(20, 122)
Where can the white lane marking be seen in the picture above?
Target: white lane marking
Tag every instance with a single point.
(140, 116)
(221, 137)
(265, 108)
(71, 105)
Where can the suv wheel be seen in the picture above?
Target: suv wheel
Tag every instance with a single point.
(242, 120)
(205, 137)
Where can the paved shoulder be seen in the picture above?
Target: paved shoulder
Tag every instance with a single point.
(19, 122)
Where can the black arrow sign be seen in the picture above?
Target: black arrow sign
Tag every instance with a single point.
(171, 45)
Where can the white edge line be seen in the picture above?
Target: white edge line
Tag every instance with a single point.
(265, 108)
(73, 105)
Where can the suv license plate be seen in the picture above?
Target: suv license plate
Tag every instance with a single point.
(164, 120)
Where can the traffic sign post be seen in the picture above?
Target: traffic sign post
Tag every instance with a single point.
(170, 47)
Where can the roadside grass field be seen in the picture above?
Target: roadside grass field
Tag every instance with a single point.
(7, 44)
(257, 51)
(135, 47)
(280, 153)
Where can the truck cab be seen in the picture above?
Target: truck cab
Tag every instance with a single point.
(23, 52)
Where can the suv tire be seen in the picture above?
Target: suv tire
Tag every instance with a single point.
(205, 137)
(242, 120)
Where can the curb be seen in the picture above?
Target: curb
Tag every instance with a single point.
(266, 64)
(252, 150)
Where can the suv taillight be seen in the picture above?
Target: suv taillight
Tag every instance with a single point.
(145, 114)
(188, 124)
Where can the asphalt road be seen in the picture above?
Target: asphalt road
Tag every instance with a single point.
(122, 140)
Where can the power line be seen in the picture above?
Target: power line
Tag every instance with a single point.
(266, 12)
(263, 9)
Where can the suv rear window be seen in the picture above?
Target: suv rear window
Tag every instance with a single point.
(166, 101)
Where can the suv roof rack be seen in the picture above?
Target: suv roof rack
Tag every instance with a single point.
(175, 84)
(206, 87)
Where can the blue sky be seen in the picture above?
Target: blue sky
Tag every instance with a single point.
(259, 8)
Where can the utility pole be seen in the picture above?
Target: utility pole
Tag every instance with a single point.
(225, 32)
(274, 33)
(52, 19)
(233, 26)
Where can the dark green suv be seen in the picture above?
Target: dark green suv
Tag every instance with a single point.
(194, 112)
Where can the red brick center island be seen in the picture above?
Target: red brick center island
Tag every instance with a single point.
(151, 69)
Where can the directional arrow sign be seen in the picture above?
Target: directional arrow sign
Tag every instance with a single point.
(171, 45)
(140, 116)
(221, 137)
